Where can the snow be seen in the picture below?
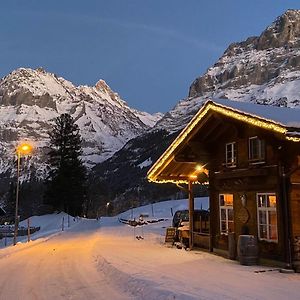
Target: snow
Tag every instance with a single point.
(288, 117)
(103, 260)
(145, 163)
(148, 119)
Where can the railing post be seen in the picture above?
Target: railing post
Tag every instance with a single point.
(191, 214)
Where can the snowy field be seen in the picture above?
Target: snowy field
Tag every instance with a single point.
(103, 260)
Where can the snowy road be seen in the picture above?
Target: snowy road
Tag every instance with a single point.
(104, 260)
(61, 268)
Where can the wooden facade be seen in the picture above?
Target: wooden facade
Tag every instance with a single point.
(253, 168)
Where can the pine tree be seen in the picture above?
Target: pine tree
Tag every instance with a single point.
(66, 184)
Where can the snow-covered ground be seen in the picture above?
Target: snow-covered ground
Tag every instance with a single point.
(103, 260)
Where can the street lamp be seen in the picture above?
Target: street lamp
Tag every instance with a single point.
(107, 205)
(22, 149)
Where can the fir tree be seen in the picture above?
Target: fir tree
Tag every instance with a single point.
(66, 184)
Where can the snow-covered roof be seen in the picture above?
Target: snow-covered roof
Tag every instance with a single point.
(287, 117)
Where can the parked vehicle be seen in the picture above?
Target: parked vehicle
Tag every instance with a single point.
(201, 219)
(180, 216)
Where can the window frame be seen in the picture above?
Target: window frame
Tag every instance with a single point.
(261, 149)
(267, 210)
(226, 208)
(231, 161)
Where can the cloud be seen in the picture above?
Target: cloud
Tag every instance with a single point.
(173, 34)
(93, 20)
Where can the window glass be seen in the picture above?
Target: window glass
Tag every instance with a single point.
(223, 214)
(228, 199)
(223, 226)
(262, 217)
(267, 216)
(272, 201)
(263, 232)
(273, 233)
(256, 149)
(226, 213)
(231, 154)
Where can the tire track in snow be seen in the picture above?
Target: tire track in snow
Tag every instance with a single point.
(138, 289)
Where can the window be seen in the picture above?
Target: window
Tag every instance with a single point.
(201, 221)
(231, 154)
(256, 149)
(267, 217)
(226, 213)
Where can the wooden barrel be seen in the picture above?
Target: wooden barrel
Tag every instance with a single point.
(247, 250)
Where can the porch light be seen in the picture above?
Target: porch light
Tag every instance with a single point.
(199, 168)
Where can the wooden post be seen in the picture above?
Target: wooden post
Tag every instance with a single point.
(191, 214)
(286, 217)
(28, 230)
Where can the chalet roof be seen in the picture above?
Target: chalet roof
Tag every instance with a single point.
(281, 120)
(287, 117)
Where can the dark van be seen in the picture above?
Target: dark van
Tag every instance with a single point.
(201, 219)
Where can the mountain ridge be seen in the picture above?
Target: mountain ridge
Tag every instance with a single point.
(31, 99)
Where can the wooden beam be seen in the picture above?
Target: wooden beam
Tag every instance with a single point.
(191, 215)
(209, 128)
(173, 177)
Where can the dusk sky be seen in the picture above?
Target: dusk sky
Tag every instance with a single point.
(148, 51)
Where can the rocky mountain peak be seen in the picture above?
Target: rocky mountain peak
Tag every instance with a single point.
(283, 32)
(264, 69)
(101, 85)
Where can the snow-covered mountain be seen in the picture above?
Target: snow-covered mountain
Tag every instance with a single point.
(31, 99)
(263, 69)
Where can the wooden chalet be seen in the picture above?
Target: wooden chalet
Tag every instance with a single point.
(250, 155)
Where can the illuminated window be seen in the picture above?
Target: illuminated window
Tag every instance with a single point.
(267, 217)
(256, 149)
(231, 154)
(226, 213)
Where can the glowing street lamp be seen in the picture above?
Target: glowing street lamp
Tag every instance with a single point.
(21, 150)
(107, 205)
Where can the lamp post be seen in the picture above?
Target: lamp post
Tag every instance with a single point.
(107, 205)
(22, 149)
